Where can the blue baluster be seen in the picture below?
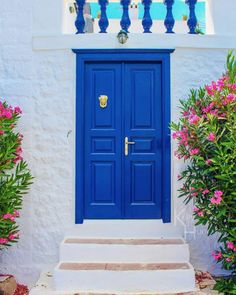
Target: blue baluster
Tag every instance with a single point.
(125, 20)
(103, 22)
(192, 20)
(147, 20)
(169, 20)
(80, 22)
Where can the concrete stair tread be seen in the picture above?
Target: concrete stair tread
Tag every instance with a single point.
(125, 229)
(124, 241)
(123, 266)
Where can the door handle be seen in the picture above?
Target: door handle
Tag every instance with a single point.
(127, 143)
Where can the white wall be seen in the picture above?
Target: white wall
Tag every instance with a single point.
(42, 82)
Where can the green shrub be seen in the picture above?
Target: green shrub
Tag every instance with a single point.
(15, 177)
(206, 137)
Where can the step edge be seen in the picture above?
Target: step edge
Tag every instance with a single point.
(81, 241)
(190, 267)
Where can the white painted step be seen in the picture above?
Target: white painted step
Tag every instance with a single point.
(124, 250)
(132, 229)
(125, 277)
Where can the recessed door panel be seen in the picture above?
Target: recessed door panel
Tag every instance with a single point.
(142, 98)
(103, 183)
(142, 183)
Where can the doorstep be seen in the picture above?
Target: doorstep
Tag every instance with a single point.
(44, 286)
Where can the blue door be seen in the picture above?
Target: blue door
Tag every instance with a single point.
(123, 140)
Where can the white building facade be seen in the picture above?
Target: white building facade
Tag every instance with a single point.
(38, 73)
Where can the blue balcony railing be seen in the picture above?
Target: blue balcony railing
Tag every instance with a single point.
(147, 21)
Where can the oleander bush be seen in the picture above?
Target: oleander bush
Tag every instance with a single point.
(15, 177)
(206, 138)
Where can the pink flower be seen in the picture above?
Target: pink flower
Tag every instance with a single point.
(208, 108)
(209, 90)
(3, 241)
(206, 191)
(217, 255)
(213, 112)
(194, 152)
(7, 113)
(16, 213)
(231, 97)
(11, 237)
(18, 150)
(216, 200)
(9, 216)
(208, 162)
(199, 212)
(1, 132)
(174, 135)
(218, 194)
(211, 136)
(18, 158)
(233, 86)
(18, 110)
(193, 119)
(230, 245)
(228, 259)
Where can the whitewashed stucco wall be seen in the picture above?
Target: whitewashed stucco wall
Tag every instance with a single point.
(42, 82)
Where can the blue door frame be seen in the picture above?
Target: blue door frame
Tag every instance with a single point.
(85, 56)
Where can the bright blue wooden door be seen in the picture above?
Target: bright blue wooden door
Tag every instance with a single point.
(119, 185)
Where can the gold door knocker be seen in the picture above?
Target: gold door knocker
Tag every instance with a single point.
(103, 101)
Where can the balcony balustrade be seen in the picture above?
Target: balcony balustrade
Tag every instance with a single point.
(146, 22)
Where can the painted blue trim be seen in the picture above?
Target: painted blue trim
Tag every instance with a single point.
(166, 150)
(79, 191)
(106, 55)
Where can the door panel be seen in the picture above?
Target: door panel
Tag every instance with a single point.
(102, 166)
(143, 126)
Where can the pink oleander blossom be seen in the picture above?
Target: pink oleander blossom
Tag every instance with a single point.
(218, 194)
(7, 113)
(199, 212)
(205, 191)
(208, 162)
(193, 119)
(217, 199)
(17, 110)
(208, 108)
(211, 136)
(16, 213)
(174, 135)
(230, 245)
(9, 216)
(3, 241)
(217, 255)
(194, 152)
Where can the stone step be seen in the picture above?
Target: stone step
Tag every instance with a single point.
(124, 250)
(124, 277)
(131, 229)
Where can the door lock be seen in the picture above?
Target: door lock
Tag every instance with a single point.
(127, 143)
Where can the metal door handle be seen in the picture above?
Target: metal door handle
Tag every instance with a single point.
(127, 143)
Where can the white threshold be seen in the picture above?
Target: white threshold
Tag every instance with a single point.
(148, 41)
